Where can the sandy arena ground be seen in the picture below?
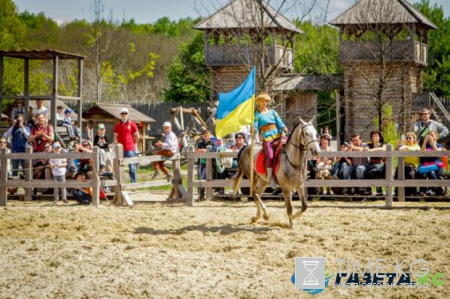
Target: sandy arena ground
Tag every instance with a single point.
(169, 250)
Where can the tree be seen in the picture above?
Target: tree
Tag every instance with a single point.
(436, 76)
(12, 32)
(188, 75)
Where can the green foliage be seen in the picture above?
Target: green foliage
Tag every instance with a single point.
(388, 130)
(188, 75)
(436, 76)
(317, 51)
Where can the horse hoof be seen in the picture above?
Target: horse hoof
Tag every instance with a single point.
(266, 217)
(254, 219)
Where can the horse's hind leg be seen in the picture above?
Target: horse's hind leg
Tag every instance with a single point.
(301, 193)
(258, 187)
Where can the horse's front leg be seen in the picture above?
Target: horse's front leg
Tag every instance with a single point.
(287, 194)
(301, 193)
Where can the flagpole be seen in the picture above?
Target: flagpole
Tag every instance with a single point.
(253, 134)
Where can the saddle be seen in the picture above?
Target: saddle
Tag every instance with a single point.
(260, 165)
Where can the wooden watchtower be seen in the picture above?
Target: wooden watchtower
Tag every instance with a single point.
(246, 33)
(55, 57)
(383, 49)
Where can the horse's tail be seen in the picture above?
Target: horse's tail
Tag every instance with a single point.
(237, 180)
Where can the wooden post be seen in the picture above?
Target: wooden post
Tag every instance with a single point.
(389, 178)
(190, 178)
(178, 191)
(28, 174)
(209, 177)
(119, 173)
(401, 177)
(3, 178)
(96, 178)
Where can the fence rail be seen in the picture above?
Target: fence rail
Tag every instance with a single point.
(389, 182)
(120, 186)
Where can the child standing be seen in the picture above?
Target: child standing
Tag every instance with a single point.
(58, 167)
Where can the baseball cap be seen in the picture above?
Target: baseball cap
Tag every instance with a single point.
(100, 126)
(68, 110)
(345, 143)
(123, 110)
(167, 124)
(56, 145)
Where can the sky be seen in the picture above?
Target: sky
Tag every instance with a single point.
(148, 11)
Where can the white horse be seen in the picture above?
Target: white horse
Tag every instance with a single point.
(290, 175)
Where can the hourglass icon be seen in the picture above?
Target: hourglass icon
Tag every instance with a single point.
(310, 279)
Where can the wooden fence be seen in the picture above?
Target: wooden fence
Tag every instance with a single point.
(30, 183)
(119, 164)
(389, 182)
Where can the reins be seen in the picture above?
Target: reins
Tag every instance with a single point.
(301, 147)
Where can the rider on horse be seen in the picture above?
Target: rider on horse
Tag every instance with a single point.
(269, 126)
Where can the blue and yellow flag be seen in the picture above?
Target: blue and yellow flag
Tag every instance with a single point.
(236, 108)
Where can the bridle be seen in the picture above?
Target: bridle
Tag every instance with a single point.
(300, 147)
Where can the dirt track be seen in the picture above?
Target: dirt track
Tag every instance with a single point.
(159, 250)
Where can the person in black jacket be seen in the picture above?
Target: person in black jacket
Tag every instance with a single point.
(205, 145)
(101, 140)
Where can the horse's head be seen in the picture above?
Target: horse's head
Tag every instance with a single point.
(309, 134)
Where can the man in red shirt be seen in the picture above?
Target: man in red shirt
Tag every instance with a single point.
(41, 133)
(126, 133)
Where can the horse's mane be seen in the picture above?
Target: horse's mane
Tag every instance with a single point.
(290, 135)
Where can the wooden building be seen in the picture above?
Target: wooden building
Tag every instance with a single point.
(233, 39)
(109, 115)
(383, 50)
(48, 55)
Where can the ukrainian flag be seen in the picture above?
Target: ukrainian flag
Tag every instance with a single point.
(236, 108)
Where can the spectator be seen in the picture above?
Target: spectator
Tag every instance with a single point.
(127, 134)
(324, 164)
(376, 167)
(227, 167)
(359, 164)
(85, 165)
(3, 143)
(411, 163)
(41, 133)
(39, 109)
(269, 125)
(327, 132)
(205, 145)
(67, 122)
(58, 167)
(169, 148)
(42, 171)
(423, 126)
(340, 163)
(19, 134)
(430, 167)
(19, 109)
(82, 195)
(86, 134)
(101, 140)
(59, 116)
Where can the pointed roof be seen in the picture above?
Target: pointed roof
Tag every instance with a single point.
(244, 14)
(382, 11)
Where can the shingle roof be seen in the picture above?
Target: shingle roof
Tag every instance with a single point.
(244, 14)
(308, 83)
(45, 54)
(382, 12)
(133, 114)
